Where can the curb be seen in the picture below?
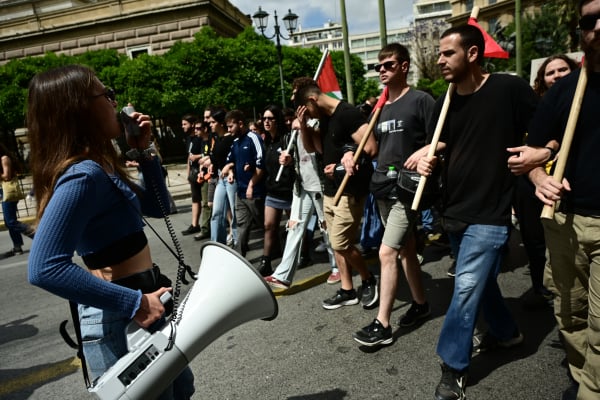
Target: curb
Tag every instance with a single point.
(302, 284)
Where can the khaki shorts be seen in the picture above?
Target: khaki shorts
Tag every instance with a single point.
(398, 220)
(343, 220)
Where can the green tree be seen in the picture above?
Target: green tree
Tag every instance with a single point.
(542, 34)
(240, 72)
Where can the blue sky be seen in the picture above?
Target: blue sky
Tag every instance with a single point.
(362, 15)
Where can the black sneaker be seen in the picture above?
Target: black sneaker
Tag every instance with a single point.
(487, 342)
(374, 334)
(191, 230)
(415, 313)
(369, 293)
(264, 268)
(13, 252)
(30, 233)
(452, 385)
(341, 298)
(452, 269)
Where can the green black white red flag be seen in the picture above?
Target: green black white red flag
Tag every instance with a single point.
(325, 77)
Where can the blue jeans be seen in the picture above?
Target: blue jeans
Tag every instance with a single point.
(479, 251)
(14, 226)
(104, 342)
(427, 220)
(224, 200)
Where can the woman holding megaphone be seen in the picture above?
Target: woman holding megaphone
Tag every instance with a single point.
(87, 204)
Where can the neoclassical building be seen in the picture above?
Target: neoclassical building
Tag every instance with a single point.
(35, 27)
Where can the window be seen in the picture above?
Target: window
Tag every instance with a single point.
(135, 52)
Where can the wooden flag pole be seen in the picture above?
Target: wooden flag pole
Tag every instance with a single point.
(433, 145)
(357, 153)
(565, 146)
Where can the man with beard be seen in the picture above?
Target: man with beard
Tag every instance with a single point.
(342, 126)
(488, 113)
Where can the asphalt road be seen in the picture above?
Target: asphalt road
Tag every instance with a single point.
(306, 353)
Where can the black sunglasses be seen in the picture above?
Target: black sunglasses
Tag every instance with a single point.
(588, 22)
(269, 118)
(109, 93)
(388, 65)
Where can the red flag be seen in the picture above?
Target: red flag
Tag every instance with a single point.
(383, 97)
(327, 80)
(492, 49)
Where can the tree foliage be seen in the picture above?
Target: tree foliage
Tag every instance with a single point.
(543, 33)
(240, 72)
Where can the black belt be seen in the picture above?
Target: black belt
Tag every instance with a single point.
(146, 281)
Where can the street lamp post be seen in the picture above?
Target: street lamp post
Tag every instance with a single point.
(290, 21)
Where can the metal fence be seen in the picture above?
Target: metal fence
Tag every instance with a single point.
(25, 207)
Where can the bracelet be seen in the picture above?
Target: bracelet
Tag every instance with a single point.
(350, 147)
(552, 153)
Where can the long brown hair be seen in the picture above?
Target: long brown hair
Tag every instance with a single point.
(61, 131)
(539, 83)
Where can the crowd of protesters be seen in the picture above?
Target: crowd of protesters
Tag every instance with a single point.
(318, 163)
(492, 170)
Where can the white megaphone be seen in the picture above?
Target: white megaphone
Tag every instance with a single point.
(227, 293)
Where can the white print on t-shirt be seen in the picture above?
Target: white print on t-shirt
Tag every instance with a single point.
(391, 126)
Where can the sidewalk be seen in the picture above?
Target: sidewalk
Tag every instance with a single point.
(176, 183)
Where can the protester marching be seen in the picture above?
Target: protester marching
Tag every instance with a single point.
(376, 182)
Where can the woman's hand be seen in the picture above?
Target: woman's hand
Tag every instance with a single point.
(141, 142)
(151, 309)
(285, 158)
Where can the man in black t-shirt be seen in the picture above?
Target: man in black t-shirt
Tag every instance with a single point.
(573, 234)
(488, 113)
(342, 126)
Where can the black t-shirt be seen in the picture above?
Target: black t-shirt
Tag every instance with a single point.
(337, 131)
(220, 151)
(281, 189)
(195, 147)
(550, 122)
(478, 129)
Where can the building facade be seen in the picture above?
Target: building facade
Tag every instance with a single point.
(365, 45)
(71, 27)
(429, 24)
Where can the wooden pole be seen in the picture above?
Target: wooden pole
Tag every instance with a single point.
(433, 145)
(565, 146)
(357, 153)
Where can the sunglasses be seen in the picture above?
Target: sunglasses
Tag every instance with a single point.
(269, 118)
(588, 22)
(109, 93)
(388, 65)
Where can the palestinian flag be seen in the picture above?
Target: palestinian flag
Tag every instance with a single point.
(325, 77)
